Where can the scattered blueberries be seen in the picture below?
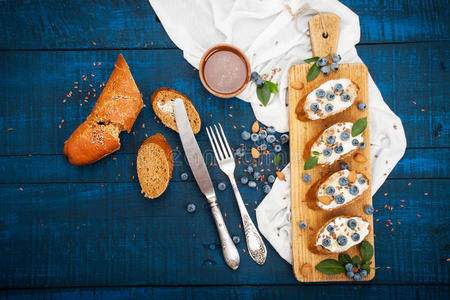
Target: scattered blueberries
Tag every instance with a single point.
(325, 70)
(277, 148)
(336, 58)
(271, 179)
(348, 267)
(339, 149)
(314, 107)
(345, 97)
(351, 223)
(245, 135)
(343, 181)
(250, 169)
(263, 147)
(322, 61)
(240, 152)
(331, 139)
(244, 179)
(254, 137)
(342, 240)
(350, 274)
(362, 106)
(338, 88)
(355, 236)
(357, 277)
(236, 239)
(339, 199)
(262, 134)
(344, 165)
(330, 228)
(355, 142)
(369, 210)
(252, 184)
(361, 180)
(266, 188)
(254, 76)
(259, 82)
(329, 107)
(191, 208)
(327, 152)
(221, 186)
(184, 176)
(320, 93)
(307, 178)
(363, 273)
(330, 190)
(270, 138)
(257, 175)
(362, 145)
(331, 96)
(345, 135)
(284, 138)
(326, 242)
(354, 190)
(270, 130)
(303, 225)
(334, 67)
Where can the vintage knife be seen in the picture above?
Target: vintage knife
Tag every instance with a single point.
(198, 167)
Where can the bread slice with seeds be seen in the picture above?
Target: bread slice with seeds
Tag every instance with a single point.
(154, 166)
(162, 102)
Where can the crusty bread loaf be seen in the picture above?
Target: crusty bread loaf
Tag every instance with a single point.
(162, 103)
(116, 110)
(154, 166)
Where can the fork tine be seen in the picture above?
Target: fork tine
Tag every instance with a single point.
(226, 154)
(225, 139)
(215, 144)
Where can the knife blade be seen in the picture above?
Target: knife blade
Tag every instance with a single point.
(197, 164)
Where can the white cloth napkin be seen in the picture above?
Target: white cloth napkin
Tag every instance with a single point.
(266, 32)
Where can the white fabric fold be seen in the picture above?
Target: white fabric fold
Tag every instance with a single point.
(267, 34)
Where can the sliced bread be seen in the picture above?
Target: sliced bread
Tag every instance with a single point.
(154, 166)
(162, 103)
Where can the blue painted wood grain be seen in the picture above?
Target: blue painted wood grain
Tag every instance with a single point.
(53, 24)
(72, 234)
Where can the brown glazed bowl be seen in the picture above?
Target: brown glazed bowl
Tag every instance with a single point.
(235, 50)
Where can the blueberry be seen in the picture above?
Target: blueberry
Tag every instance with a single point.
(257, 175)
(345, 135)
(339, 199)
(355, 142)
(345, 97)
(336, 58)
(240, 152)
(191, 208)
(331, 96)
(254, 76)
(339, 149)
(326, 242)
(363, 273)
(244, 179)
(250, 169)
(344, 165)
(330, 228)
(350, 274)
(348, 267)
(270, 138)
(330, 190)
(270, 130)
(254, 137)
(355, 237)
(236, 239)
(357, 277)
(354, 190)
(369, 210)
(277, 148)
(284, 138)
(314, 107)
(361, 180)
(343, 181)
(221, 186)
(362, 145)
(322, 61)
(262, 147)
(325, 70)
(362, 106)
(303, 225)
(351, 223)
(245, 135)
(307, 178)
(252, 184)
(262, 134)
(338, 88)
(266, 188)
(329, 107)
(184, 176)
(320, 93)
(334, 66)
(342, 240)
(331, 139)
(327, 152)
(271, 179)
(259, 82)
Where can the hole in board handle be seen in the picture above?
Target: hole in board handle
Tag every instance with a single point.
(325, 35)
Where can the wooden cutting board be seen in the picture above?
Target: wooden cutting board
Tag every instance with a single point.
(301, 133)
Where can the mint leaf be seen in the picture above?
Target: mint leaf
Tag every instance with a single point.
(313, 72)
(344, 258)
(276, 159)
(311, 162)
(356, 260)
(263, 94)
(359, 126)
(330, 267)
(312, 59)
(316, 153)
(366, 250)
(272, 86)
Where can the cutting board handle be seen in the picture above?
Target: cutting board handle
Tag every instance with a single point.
(324, 36)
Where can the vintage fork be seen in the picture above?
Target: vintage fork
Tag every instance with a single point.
(224, 157)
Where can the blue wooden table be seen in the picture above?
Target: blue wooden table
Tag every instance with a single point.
(86, 232)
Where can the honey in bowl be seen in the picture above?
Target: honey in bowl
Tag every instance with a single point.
(224, 71)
